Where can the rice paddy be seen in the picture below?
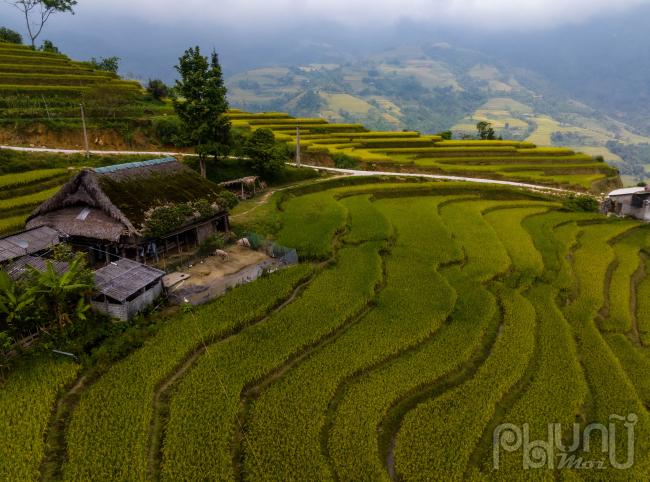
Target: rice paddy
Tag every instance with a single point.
(423, 317)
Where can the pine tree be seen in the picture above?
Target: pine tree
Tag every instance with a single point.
(201, 105)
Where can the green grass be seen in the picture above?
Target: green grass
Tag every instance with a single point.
(10, 181)
(310, 223)
(490, 306)
(26, 401)
(108, 433)
(204, 414)
(424, 448)
(374, 338)
(628, 259)
(643, 306)
(366, 222)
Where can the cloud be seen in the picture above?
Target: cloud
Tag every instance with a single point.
(494, 14)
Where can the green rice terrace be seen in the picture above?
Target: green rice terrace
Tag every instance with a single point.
(423, 317)
(351, 145)
(48, 87)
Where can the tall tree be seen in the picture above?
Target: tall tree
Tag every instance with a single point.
(485, 131)
(265, 156)
(38, 12)
(201, 105)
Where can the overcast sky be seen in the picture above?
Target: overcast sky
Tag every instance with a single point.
(149, 35)
(497, 14)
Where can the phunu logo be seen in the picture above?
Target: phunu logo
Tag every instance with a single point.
(553, 454)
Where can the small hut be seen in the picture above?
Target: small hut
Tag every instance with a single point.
(20, 267)
(125, 288)
(632, 201)
(31, 242)
(138, 210)
(245, 187)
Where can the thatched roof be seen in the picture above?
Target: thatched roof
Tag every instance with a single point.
(105, 203)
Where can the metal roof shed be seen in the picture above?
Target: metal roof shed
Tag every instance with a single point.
(27, 242)
(126, 288)
(20, 267)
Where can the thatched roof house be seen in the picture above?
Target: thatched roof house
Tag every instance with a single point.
(137, 209)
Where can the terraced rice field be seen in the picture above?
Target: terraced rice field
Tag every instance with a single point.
(21, 192)
(423, 317)
(412, 152)
(47, 86)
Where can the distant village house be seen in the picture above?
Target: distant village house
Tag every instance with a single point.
(139, 210)
(633, 202)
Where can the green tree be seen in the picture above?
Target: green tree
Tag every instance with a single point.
(485, 131)
(157, 89)
(8, 35)
(16, 306)
(201, 105)
(107, 64)
(64, 296)
(265, 156)
(48, 46)
(38, 12)
(446, 135)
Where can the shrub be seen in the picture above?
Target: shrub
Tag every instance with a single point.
(107, 64)
(581, 203)
(157, 89)
(214, 242)
(343, 161)
(8, 35)
(49, 47)
(167, 130)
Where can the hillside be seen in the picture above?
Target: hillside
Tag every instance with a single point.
(445, 308)
(40, 93)
(352, 145)
(28, 179)
(438, 87)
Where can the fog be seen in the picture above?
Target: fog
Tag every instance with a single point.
(149, 35)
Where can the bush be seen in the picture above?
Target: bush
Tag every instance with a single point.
(167, 130)
(107, 64)
(343, 161)
(49, 47)
(581, 203)
(8, 35)
(157, 89)
(210, 245)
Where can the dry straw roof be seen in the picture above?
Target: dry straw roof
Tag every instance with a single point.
(119, 196)
(121, 279)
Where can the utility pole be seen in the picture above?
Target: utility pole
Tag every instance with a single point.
(298, 146)
(83, 122)
(47, 110)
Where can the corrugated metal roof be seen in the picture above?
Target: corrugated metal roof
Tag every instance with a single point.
(627, 191)
(19, 268)
(133, 165)
(28, 242)
(123, 278)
